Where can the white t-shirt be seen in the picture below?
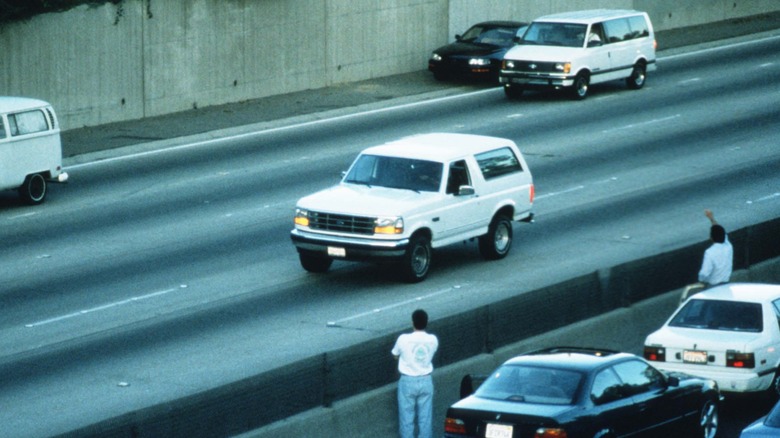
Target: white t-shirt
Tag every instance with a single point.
(415, 353)
(717, 264)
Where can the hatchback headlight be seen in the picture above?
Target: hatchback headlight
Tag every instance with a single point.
(389, 225)
(479, 61)
(435, 57)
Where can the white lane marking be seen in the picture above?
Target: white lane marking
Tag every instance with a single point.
(282, 128)
(688, 81)
(338, 322)
(767, 64)
(103, 307)
(726, 47)
(23, 215)
(636, 125)
(514, 116)
(765, 198)
(551, 194)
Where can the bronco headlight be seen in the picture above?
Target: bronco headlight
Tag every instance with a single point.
(389, 225)
(301, 217)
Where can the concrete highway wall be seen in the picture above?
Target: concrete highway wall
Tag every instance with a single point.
(111, 62)
(350, 392)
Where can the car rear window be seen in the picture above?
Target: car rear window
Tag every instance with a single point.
(723, 315)
(524, 384)
(497, 163)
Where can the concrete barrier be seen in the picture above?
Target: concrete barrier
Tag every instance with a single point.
(609, 309)
(130, 59)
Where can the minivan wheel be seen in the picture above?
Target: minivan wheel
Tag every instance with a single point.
(638, 77)
(315, 264)
(417, 260)
(496, 243)
(580, 87)
(513, 92)
(33, 190)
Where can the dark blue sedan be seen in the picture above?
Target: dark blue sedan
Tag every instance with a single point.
(765, 427)
(477, 53)
(574, 392)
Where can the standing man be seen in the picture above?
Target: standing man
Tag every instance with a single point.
(414, 352)
(718, 258)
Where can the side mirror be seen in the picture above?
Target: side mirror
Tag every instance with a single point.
(465, 190)
(673, 381)
(458, 37)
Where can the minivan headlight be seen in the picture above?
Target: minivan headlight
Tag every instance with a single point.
(563, 67)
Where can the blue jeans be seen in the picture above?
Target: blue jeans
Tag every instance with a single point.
(415, 396)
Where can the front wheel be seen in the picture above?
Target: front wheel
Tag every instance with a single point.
(315, 264)
(417, 260)
(579, 90)
(637, 78)
(33, 190)
(496, 243)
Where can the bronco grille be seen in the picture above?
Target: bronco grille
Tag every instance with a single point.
(341, 223)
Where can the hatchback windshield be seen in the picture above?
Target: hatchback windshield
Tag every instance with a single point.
(555, 34)
(498, 36)
(720, 315)
(396, 173)
(531, 385)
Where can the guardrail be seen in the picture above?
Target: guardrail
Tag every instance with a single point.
(322, 380)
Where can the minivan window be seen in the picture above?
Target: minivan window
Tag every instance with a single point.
(497, 163)
(638, 26)
(555, 34)
(27, 122)
(2, 128)
(617, 30)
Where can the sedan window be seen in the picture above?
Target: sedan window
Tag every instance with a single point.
(606, 387)
(531, 385)
(720, 315)
(638, 377)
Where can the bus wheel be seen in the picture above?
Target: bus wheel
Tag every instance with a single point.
(33, 190)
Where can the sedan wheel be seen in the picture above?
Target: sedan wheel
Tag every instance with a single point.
(708, 422)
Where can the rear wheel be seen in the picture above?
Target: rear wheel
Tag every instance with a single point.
(496, 243)
(707, 427)
(33, 190)
(638, 77)
(313, 263)
(417, 260)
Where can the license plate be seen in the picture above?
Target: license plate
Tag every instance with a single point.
(692, 356)
(335, 251)
(498, 431)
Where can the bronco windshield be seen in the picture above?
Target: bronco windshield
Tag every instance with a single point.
(396, 173)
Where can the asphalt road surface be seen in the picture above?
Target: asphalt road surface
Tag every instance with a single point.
(156, 274)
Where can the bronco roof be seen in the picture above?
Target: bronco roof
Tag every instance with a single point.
(440, 147)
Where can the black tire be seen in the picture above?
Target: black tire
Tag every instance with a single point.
(498, 241)
(638, 77)
(417, 260)
(708, 420)
(314, 263)
(513, 91)
(33, 190)
(579, 90)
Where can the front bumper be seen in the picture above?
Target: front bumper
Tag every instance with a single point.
(528, 80)
(348, 248)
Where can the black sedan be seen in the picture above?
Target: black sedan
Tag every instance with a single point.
(574, 392)
(477, 53)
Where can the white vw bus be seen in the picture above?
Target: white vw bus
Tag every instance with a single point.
(30, 147)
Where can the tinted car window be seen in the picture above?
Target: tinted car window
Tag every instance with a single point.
(531, 384)
(638, 26)
(638, 377)
(720, 315)
(398, 173)
(498, 163)
(606, 387)
(617, 30)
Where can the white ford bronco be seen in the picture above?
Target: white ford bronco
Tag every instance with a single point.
(401, 199)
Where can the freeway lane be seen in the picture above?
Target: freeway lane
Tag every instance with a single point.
(154, 276)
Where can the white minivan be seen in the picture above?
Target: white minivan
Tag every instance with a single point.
(30, 147)
(576, 49)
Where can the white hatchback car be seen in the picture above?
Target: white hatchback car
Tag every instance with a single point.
(730, 333)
